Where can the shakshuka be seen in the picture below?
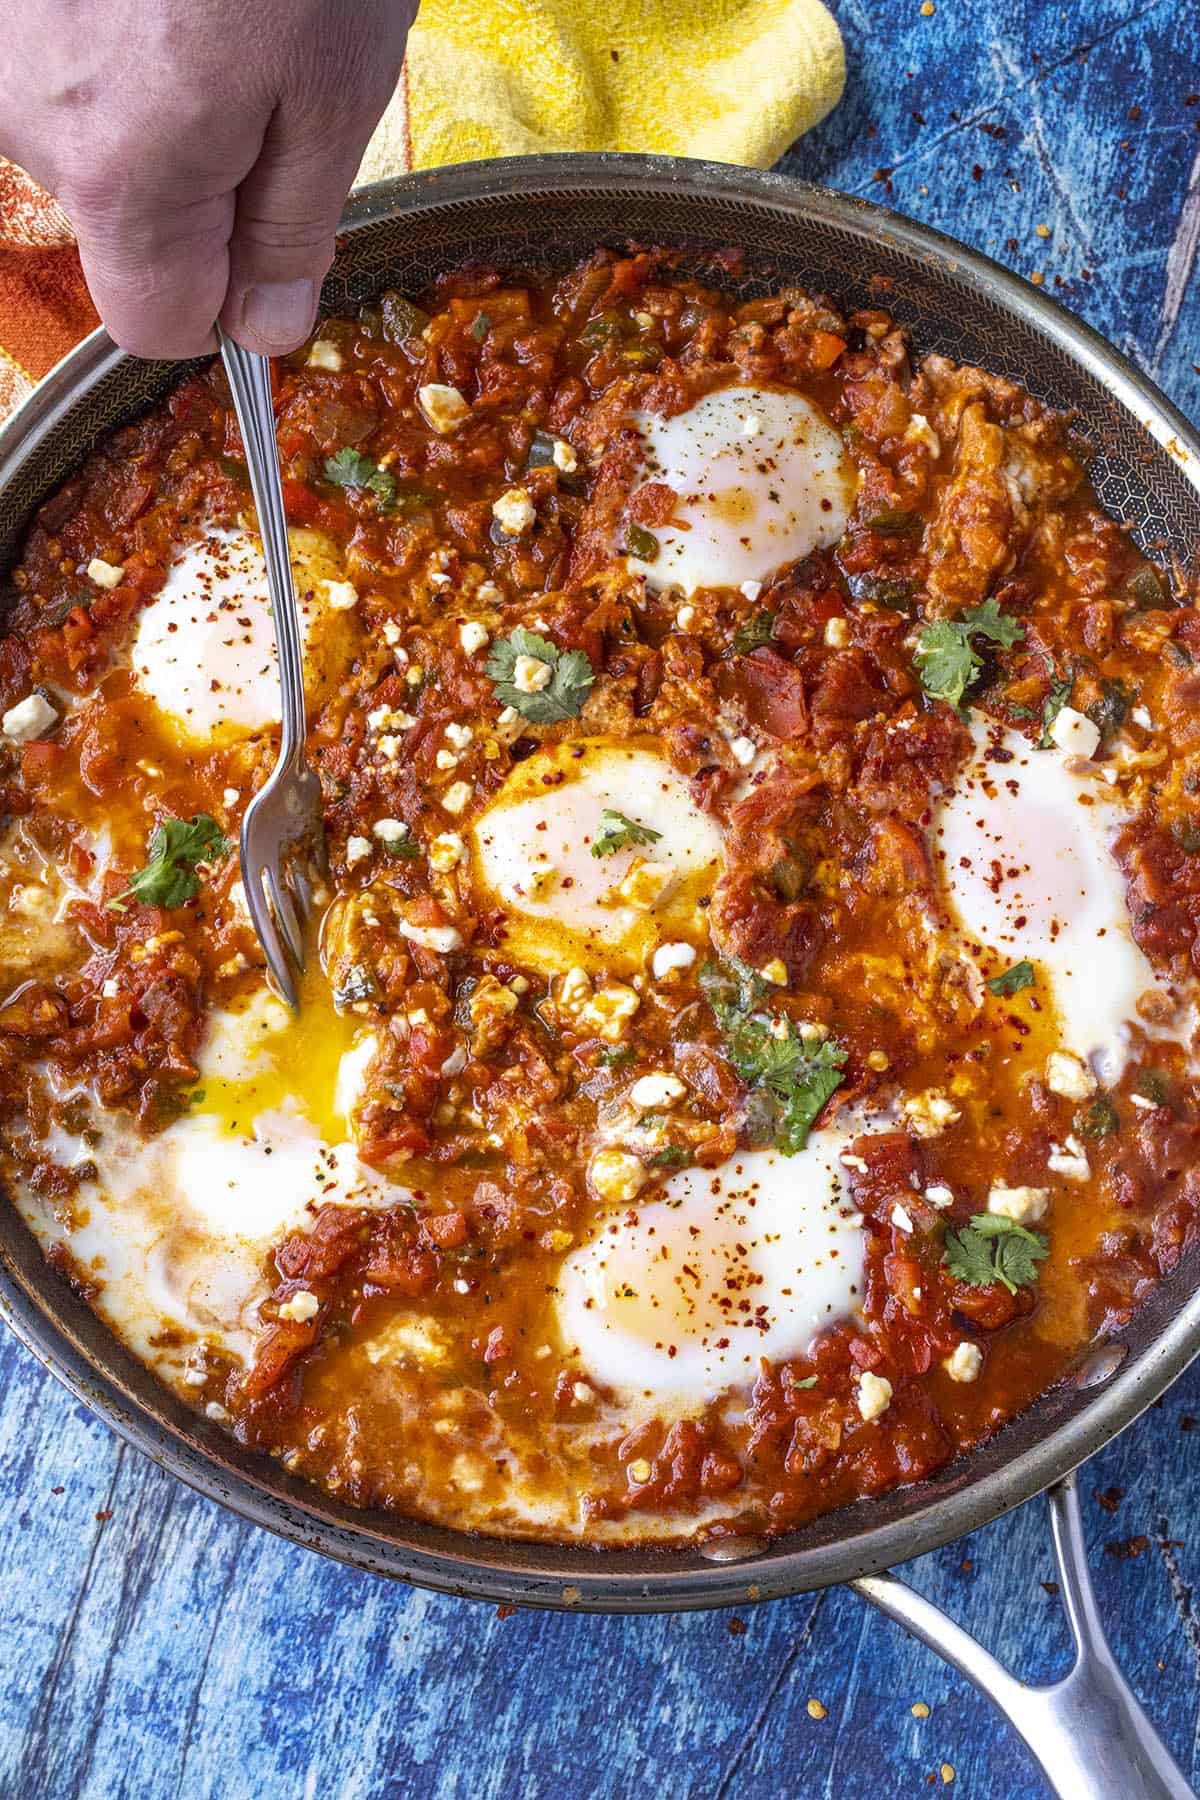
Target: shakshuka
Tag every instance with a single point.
(747, 1052)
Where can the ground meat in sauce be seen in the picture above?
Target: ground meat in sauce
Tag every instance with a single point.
(487, 1093)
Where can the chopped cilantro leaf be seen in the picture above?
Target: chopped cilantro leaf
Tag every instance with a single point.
(351, 469)
(617, 1057)
(1110, 711)
(790, 1079)
(1061, 689)
(480, 326)
(675, 1156)
(946, 658)
(169, 878)
(810, 1381)
(1101, 1119)
(641, 543)
(570, 681)
(1013, 981)
(1153, 1086)
(619, 833)
(754, 634)
(993, 1249)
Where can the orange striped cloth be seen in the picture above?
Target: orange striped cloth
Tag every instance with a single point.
(44, 303)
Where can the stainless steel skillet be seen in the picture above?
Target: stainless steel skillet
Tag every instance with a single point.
(542, 212)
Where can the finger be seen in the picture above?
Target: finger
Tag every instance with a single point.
(158, 271)
(288, 209)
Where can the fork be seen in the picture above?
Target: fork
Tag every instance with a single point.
(283, 831)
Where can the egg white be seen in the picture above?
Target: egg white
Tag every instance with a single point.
(204, 648)
(532, 856)
(1023, 844)
(680, 1299)
(762, 478)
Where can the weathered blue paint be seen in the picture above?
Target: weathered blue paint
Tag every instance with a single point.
(155, 1646)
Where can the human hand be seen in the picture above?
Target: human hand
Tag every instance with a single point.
(202, 149)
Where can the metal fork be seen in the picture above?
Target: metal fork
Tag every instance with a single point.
(283, 832)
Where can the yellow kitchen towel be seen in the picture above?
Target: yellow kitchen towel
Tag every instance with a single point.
(733, 80)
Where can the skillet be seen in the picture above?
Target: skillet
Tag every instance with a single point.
(1087, 1730)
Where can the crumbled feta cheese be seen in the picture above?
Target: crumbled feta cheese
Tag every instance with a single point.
(442, 938)
(743, 750)
(565, 459)
(459, 735)
(669, 957)
(111, 988)
(655, 1091)
(325, 355)
(775, 972)
(384, 718)
(964, 1362)
(446, 759)
(1141, 716)
(105, 574)
(1023, 1205)
(1075, 733)
(531, 674)
(928, 1114)
(301, 1307)
(389, 747)
(444, 407)
(1069, 1076)
(30, 718)
(940, 1196)
(341, 595)
(446, 852)
(391, 633)
(751, 425)
(874, 1395)
(751, 590)
(616, 1175)
(488, 594)
(457, 797)
(230, 797)
(646, 883)
(811, 1031)
(455, 1063)
(901, 1219)
(356, 849)
(609, 1010)
(390, 831)
(685, 618)
(920, 431)
(513, 512)
(472, 636)
(837, 633)
(1069, 1160)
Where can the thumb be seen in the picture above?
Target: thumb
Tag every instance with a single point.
(284, 231)
(156, 269)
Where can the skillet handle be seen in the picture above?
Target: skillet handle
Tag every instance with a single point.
(1087, 1731)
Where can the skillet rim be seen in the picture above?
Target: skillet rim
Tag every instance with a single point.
(73, 1345)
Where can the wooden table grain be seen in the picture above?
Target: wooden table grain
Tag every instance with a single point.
(155, 1646)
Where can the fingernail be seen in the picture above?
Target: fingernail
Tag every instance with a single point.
(280, 312)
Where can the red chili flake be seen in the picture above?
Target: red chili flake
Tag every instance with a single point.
(736, 1628)
(1135, 113)
(1051, 1588)
(1126, 1549)
(1187, 1423)
(509, 1612)
(105, 1515)
(1109, 1498)
(58, 1490)
(976, 172)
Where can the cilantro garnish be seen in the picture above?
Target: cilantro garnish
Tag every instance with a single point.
(641, 543)
(810, 1381)
(619, 833)
(946, 658)
(1061, 689)
(406, 848)
(480, 326)
(789, 1078)
(1013, 981)
(1101, 1119)
(617, 1057)
(675, 1156)
(570, 680)
(1109, 713)
(754, 634)
(169, 877)
(992, 1248)
(351, 469)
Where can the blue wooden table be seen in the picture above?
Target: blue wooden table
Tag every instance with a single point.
(155, 1646)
